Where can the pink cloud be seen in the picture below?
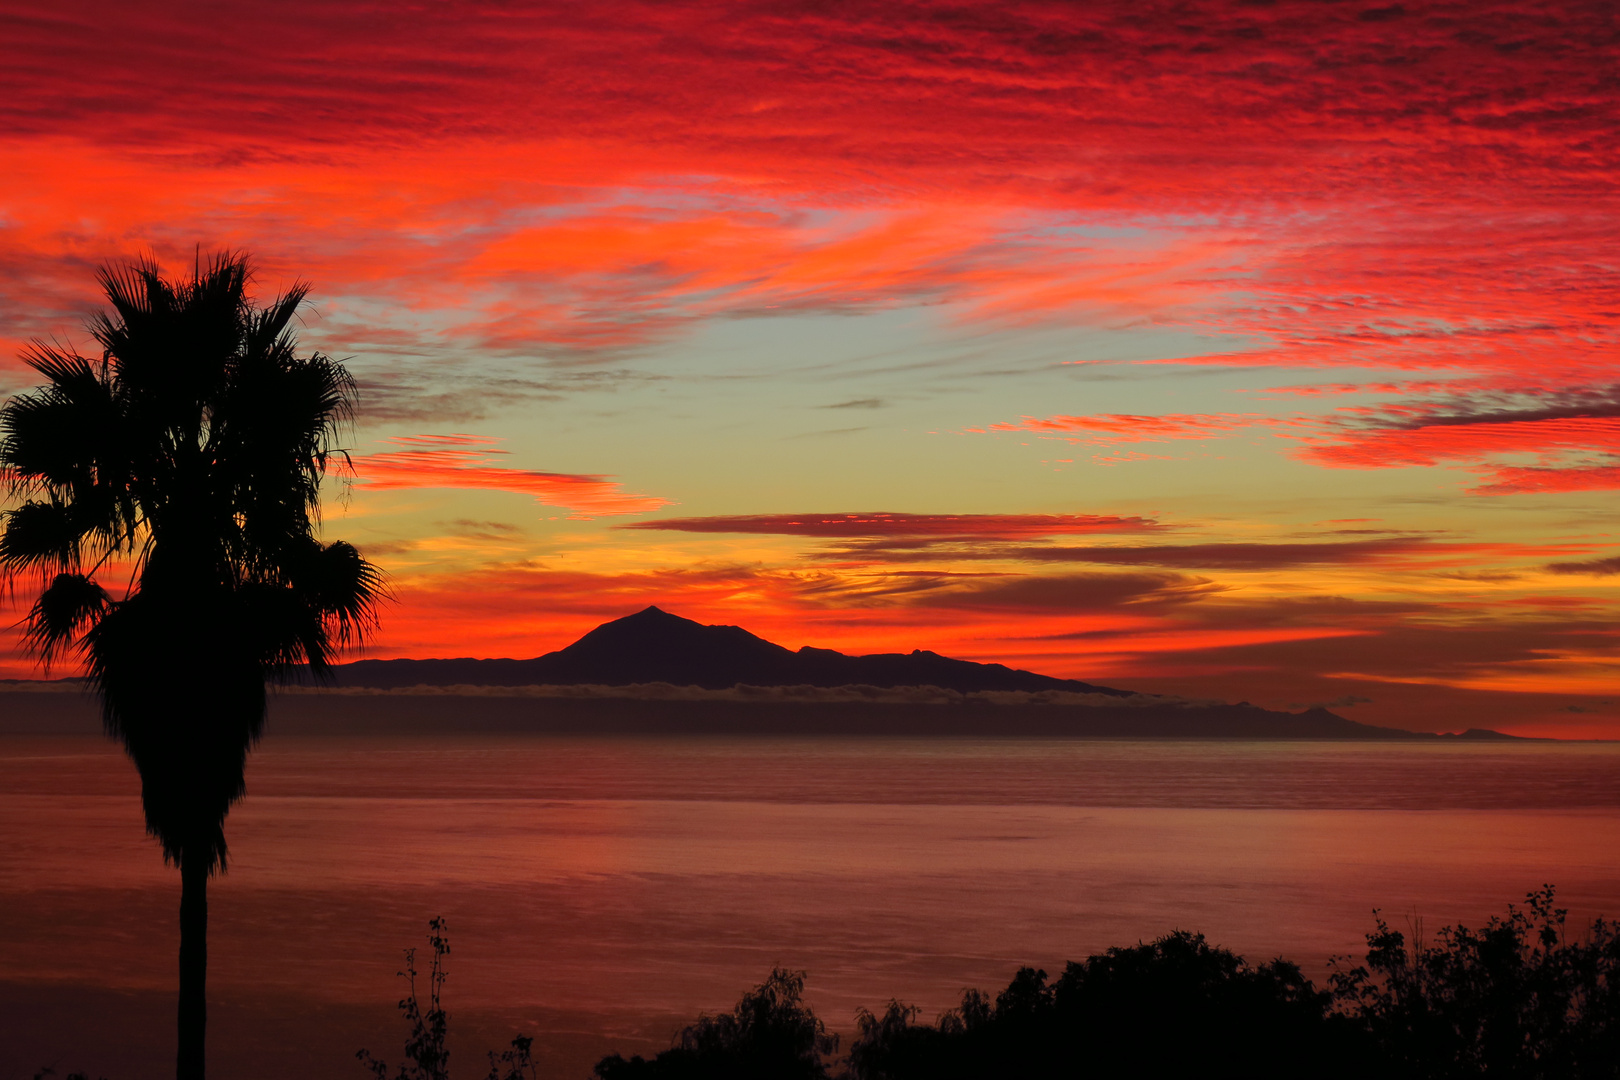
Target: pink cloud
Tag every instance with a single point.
(465, 461)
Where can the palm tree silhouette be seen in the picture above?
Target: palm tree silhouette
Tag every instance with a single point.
(189, 456)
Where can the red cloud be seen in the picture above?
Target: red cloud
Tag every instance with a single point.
(1431, 96)
(531, 175)
(906, 525)
(1109, 429)
(463, 461)
(1518, 481)
(1574, 431)
(1431, 444)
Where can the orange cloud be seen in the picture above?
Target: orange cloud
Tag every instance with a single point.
(464, 461)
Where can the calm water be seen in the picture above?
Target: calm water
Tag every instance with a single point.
(602, 891)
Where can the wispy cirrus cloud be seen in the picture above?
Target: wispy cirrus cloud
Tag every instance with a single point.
(901, 538)
(906, 525)
(1410, 555)
(469, 461)
(1113, 429)
(1548, 480)
(1572, 435)
(1572, 432)
(1395, 551)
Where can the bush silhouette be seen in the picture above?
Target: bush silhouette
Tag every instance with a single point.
(1516, 999)
(771, 1035)
(1173, 1006)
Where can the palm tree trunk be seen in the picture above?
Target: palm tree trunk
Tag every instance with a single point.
(189, 1065)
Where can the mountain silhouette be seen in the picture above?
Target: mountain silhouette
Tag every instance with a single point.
(560, 692)
(654, 646)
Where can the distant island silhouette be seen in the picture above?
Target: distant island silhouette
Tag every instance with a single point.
(657, 673)
(648, 656)
(653, 646)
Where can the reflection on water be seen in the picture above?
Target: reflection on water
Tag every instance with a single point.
(611, 886)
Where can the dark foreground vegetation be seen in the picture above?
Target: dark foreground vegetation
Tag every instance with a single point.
(1521, 998)
(1516, 999)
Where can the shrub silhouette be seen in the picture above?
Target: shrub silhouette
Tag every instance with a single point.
(1515, 999)
(771, 1035)
(426, 1055)
(1173, 1006)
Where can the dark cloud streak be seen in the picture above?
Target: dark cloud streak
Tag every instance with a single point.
(878, 524)
(1594, 567)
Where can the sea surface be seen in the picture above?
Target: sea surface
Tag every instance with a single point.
(602, 892)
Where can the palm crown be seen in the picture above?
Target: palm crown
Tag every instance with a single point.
(192, 451)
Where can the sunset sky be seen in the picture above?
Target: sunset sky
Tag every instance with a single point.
(1260, 351)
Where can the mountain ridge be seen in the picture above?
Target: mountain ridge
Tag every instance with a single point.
(655, 646)
(658, 673)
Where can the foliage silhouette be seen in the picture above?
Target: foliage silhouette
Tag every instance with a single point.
(194, 448)
(515, 1062)
(1176, 1006)
(1517, 999)
(426, 1055)
(771, 1035)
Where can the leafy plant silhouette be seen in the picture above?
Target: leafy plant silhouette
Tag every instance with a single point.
(1518, 998)
(770, 1034)
(1177, 1006)
(426, 1055)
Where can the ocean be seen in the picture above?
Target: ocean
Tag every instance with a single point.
(601, 892)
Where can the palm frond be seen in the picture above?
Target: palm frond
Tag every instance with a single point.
(268, 325)
(64, 369)
(40, 535)
(348, 590)
(68, 606)
(136, 291)
(329, 601)
(52, 436)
